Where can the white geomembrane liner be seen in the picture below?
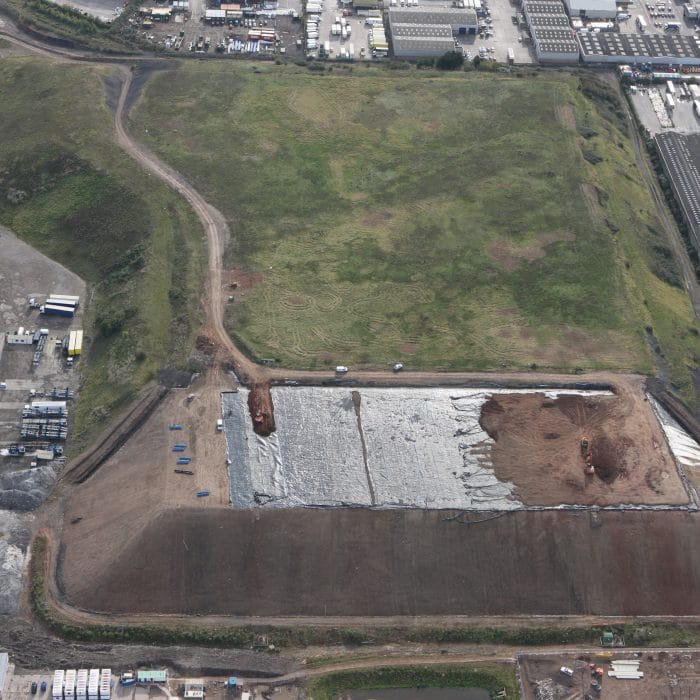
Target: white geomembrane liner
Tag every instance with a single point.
(685, 449)
(424, 448)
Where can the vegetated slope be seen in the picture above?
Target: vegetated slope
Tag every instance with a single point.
(461, 221)
(66, 188)
(70, 27)
(393, 562)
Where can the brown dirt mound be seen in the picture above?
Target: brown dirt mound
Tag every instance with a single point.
(393, 562)
(261, 409)
(538, 448)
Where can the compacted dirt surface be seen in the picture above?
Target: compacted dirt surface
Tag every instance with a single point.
(379, 562)
(538, 447)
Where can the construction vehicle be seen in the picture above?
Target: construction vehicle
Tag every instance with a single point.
(610, 639)
(587, 454)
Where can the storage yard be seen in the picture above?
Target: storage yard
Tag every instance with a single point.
(29, 462)
(664, 674)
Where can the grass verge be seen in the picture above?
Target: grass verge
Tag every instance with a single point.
(461, 221)
(247, 636)
(69, 190)
(486, 676)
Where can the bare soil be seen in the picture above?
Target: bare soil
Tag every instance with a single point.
(538, 448)
(140, 557)
(674, 674)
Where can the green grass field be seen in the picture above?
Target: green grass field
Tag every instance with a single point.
(449, 221)
(486, 676)
(68, 189)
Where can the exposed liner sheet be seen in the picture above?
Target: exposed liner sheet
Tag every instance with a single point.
(387, 448)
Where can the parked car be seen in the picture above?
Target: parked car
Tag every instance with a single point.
(43, 686)
(34, 687)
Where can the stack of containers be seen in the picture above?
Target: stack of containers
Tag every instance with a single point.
(105, 683)
(81, 684)
(94, 684)
(58, 680)
(69, 684)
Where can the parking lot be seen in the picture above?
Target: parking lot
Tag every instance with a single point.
(506, 35)
(656, 15)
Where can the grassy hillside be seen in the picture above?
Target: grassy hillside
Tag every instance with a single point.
(449, 221)
(67, 188)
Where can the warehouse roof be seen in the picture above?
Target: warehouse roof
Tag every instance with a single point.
(639, 45)
(544, 7)
(421, 30)
(592, 6)
(463, 16)
(553, 21)
(410, 44)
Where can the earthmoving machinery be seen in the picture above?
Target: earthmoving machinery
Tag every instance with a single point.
(610, 640)
(587, 454)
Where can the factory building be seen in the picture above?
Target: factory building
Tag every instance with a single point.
(416, 46)
(460, 20)
(551, 31)
(666, 49)
(592, 9)
(418, 32)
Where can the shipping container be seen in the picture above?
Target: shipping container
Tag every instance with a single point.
(54, 310)
(57, 689)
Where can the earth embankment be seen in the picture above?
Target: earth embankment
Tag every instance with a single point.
(387, 562)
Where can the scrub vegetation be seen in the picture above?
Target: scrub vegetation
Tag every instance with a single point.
(452, 221)
(72, 27)
(69, 190)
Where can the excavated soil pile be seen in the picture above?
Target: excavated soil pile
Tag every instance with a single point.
(261, 409)
(349, 561)
(538, 448)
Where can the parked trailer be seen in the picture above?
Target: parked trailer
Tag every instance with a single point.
(694, 91)
(54, 310)
(696, 107)
(669, 101)
(66, 297)
(62, 302)
(670, 87)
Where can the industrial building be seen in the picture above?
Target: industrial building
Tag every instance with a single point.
(592, 9)
(460, 20)
(20, 337)
(667, 49)
(423, 32)
(551, 31)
